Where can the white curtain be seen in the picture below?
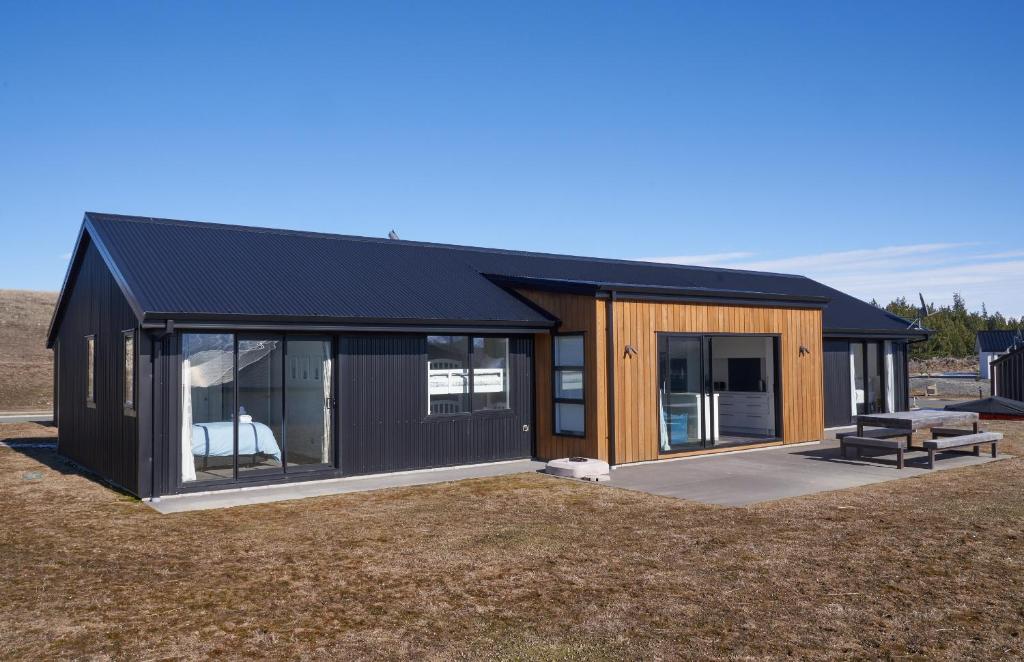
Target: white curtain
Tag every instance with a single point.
(890, 379)
(662, 423)
(188, 465)
(325, 451)
(853, 383)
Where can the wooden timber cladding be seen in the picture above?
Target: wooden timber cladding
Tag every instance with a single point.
(637, 323)
(578, 313)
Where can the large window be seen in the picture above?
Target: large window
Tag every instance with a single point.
(570, 410)
(129, 370)
(255, 405)
(207, 406)
(260, 404)
(90, 371)
(310, 404)
(467, 374)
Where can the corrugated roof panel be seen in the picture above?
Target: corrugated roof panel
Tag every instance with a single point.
(217, 270)
(193, 268)
(999, 341)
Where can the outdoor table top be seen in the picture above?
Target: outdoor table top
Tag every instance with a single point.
(919, 419)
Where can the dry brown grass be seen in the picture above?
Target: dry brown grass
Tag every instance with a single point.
(26, 366)
(516, 567)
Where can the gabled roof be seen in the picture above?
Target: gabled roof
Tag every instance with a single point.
(999, 341)
(183, 270)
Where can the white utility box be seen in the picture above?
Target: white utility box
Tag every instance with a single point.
(579, 467)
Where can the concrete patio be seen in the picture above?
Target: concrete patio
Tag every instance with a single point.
(746, 477)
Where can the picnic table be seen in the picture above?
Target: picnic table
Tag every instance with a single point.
(919, 419)
(895, 431)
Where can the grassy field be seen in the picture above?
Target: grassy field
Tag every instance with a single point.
(514, 567)
(26, 366)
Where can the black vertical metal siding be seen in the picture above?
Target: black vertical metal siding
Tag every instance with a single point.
(383, 408)
(901, 376)
(836, 365)
(102, 438)
(1008, 375)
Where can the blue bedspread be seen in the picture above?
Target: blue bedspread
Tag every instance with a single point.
(217, 439)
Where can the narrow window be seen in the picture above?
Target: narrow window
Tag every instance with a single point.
(570, 409)
(90, 371)
(129, 370)
(447, 374)
(490, 374)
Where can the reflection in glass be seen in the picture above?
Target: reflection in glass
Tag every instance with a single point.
(680, 393)
(308, 394)
(448, 374)
(207, 401)
(569, 418)
(260, 404)
(490, 373)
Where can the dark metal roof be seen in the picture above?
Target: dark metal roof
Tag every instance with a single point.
(992, 405)
(179, 270)
(999, 341)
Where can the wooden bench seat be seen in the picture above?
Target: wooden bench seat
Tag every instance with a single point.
(877, 433)
(898, 445)
(948, 442)
(951, 432)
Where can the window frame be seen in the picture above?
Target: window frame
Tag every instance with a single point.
(555, 369)
(471, 370)
(90, 370)
(129, 399)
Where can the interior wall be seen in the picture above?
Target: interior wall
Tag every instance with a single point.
(756, 347)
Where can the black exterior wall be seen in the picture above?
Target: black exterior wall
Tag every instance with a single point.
(836, 365)
(901, 376)
(1008, 375)
(382, 423)
(383, 408)
(101, 438)
(837, 379)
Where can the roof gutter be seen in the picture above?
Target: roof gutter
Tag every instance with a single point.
(368, 327)
(914, 335)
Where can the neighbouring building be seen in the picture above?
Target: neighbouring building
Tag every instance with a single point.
(197, 356)
(993, 344)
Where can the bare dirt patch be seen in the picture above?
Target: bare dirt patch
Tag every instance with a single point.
(26, 366)
(514, 567)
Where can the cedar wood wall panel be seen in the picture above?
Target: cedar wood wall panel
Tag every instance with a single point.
(102, 438)
(578, 313)
(637, 323)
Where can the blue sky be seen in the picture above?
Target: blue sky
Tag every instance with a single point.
(876, 146)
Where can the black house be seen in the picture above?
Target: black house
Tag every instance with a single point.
(196, 356)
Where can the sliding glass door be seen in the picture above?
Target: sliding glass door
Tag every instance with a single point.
(867, 373)
(681, 393)
(309, 401)
(255, 405)
(716, 390)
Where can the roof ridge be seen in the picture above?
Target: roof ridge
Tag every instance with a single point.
(428, 244)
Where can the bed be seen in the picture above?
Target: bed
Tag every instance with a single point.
(217, 440)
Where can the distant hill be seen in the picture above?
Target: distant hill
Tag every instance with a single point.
(26, 366)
